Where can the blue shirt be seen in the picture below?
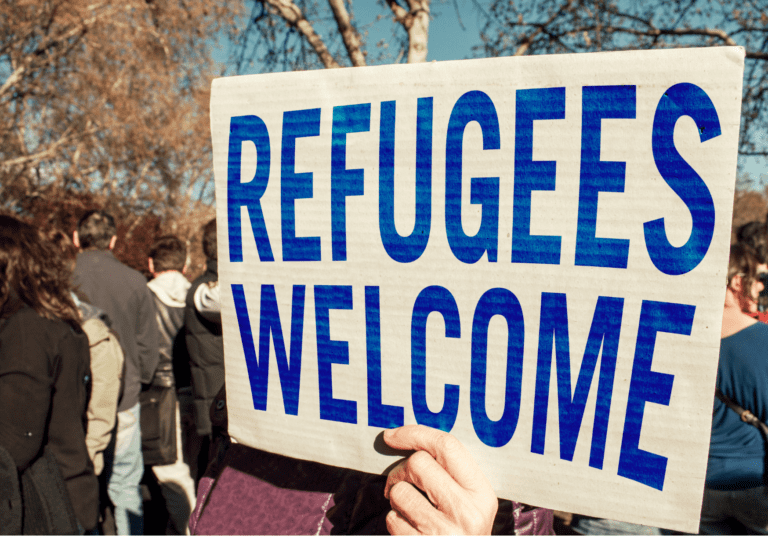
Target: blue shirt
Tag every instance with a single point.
(737, 450)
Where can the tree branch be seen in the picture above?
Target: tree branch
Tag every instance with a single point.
(294, 17)
(348, 32)
(527, 40)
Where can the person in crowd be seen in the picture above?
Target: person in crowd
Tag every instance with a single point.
(44, 365)
(206, 349)
(167, 264)
(107, 361)
(735, 494)
(122, 294)
(754, 235)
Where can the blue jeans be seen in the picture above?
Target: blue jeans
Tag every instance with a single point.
(124, 471)
(589, 526)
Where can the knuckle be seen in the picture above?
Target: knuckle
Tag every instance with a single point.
(419, 462)
(448, 445)
(398, 493)
(479, 521)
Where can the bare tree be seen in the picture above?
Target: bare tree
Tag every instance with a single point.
(106, 97)
(527, 27)
(288, 35)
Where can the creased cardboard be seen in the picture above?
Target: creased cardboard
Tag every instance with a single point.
(527, 252)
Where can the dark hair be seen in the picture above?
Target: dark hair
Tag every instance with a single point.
(742, 261)
(63, 244)
(33, 268)
(752, 234)
(95, 229)
(168, 253)
(209, 240)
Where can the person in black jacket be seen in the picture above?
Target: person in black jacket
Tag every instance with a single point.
(167, 263)
(206, 348)
(44, 365)
(122, 294)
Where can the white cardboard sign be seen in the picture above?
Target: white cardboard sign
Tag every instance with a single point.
(527, 252)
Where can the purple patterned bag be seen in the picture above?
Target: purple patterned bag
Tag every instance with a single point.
(246, 491)
(258, 493)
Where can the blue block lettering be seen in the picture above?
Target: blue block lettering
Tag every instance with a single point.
(330, 352)
(409, 248)
(297, 124)
(497, 301)
(379, 414)
(241, 129)
(679, 100)
(344, 183)
(598, 103)
(258, 369)
(530, 175)
(471, 106)
(432, 299)
(646, 385)
(604, 332)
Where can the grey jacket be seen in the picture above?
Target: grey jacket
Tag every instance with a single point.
(122, 294)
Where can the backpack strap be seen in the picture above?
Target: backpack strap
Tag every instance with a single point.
(744, 414)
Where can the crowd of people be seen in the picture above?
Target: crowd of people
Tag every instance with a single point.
(109, 382)
(96, 367)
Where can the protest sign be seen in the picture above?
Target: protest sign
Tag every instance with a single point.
(527, 252)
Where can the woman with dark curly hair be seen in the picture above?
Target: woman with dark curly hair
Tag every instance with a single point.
(44, 365)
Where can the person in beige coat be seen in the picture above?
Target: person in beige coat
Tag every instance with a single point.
(107, 372)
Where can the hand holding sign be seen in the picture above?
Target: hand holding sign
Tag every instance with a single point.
(462, 500)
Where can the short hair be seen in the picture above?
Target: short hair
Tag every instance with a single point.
(95, 229)
(752, 234)
(209, 240)
(168, 253)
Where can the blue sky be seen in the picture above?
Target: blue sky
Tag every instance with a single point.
(452, 36)
(447, 39)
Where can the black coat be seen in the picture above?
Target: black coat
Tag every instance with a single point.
(206, 353)
(44, 379)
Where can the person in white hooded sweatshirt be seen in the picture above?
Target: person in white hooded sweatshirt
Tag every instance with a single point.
(167, 263)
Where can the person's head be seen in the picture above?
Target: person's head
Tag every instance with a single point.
(743, 281)
(34, 269)
(753, 235)
(209, 240)
(95, 230)
(64, 245)
(167, 253)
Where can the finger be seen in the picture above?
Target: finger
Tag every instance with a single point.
(422, 471)
(395, 475)
(409, 503)
(398, 525)
(446, 449)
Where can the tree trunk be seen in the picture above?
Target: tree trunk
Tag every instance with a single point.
(418, 33)
(416, 23)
